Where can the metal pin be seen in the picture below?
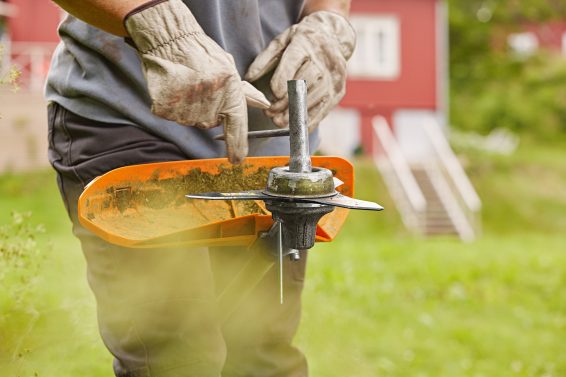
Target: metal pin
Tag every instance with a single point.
(295, 255)
(300, 161)
(260, 134)
(280, 264)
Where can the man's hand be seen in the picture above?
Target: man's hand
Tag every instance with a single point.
(316, 50)
(191, 80)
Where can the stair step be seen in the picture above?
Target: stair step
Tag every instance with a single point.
(437, 211)
(428, 233)
(442, 216)
(433, 226)
(439, 220)
(440, 229)
(440, 226)
(438, 216)
(435, 208)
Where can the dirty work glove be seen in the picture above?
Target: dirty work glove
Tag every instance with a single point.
(191, 79)
(315, 50)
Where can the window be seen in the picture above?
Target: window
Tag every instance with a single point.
(523, 44)
(378, 51)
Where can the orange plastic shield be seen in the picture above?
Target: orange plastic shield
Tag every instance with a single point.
(144, 206)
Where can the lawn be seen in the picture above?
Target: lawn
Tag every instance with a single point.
(378, 301)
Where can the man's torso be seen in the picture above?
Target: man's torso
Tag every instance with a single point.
(98, 76)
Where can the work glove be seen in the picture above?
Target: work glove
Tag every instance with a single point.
(190, 78)
(316, 50)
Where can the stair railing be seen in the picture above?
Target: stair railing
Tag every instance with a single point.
(449, 200)
(459, 196)
(397, 175)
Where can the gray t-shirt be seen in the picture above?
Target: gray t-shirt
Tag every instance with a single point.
(98, 76)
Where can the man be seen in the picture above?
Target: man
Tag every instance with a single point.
(135, 82)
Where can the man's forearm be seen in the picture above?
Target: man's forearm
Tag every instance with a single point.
(107, 15)
(338, 6)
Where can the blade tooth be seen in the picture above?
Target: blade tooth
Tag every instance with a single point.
(338, 201)
(337, 182)
(244, 195)
(347, 202)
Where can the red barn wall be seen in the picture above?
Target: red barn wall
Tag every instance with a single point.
(418, 83)
(36, 21)
(549, 34)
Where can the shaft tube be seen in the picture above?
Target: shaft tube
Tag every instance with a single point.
(300, 161)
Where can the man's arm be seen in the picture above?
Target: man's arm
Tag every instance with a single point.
(338, 6)
(107, 15)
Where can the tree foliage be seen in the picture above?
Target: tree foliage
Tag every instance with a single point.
(490, 87)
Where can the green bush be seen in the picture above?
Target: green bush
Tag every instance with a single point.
(531, 101)
(489, 86)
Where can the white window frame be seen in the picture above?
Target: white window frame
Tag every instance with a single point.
(523, 44)
(378, 51)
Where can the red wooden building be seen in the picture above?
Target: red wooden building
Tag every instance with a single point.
(396, 95)
(527, 38)
(400, 62)
(30, 38)
(34, 21)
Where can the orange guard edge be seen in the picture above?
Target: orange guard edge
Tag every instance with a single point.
(99, 212)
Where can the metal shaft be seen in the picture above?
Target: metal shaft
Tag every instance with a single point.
(300, 161)
(260, 134)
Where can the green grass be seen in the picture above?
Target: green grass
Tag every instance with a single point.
(382, 303)
(378, 302)
(55, 334)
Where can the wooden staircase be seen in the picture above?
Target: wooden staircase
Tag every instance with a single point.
(437, 220)
(433, 195)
